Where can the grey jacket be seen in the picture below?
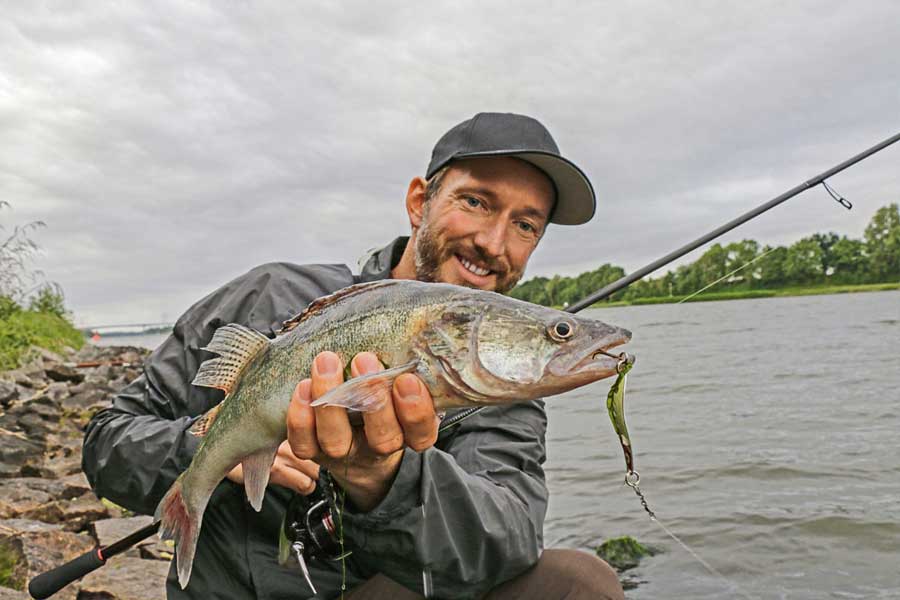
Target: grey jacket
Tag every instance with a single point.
(460, 517)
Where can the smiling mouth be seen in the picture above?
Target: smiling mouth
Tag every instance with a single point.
(472, 267)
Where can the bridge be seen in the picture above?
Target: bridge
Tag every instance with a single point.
(127, 328)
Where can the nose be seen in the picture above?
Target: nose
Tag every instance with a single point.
(492, 239)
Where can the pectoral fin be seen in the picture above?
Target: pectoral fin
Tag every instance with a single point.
(366, 393)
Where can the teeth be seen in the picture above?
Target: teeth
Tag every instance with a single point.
(471, 267)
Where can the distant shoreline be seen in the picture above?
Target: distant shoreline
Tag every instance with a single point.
(749, 294)
(706, 297)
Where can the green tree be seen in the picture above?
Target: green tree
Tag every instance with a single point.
(883, 243)
(770, 270)
(803, 263)
(849, 260)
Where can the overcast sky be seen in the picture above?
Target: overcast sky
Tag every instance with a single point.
(172, 146)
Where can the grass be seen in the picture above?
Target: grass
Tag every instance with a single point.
(24, 329)
(746, 294)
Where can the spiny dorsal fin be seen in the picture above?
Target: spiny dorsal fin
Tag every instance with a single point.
(320, 303)
(202, 425)
(236, 346)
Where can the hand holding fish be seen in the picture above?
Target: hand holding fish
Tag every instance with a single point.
(364, 460)
(287, 471)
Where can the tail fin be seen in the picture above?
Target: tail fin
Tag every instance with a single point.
(181, 521)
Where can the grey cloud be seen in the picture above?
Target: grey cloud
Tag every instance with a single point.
(172, 146)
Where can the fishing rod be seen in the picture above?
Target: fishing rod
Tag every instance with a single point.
(623, 282)
(48, 583)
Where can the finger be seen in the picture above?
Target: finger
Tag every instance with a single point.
(332, 425)
(415, 412)
(301, 422)
(285, 476)
(383, 432)
(236, 474)
(286, 455)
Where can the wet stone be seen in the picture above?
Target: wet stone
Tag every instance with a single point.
(623, 553)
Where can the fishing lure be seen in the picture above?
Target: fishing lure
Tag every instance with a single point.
(615, 405)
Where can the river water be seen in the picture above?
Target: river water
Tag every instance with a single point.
(767, 436)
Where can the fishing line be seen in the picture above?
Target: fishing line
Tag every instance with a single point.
(727, 275)
(615, 405)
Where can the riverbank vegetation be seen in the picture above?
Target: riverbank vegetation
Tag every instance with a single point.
(823, 263)
(32, 311)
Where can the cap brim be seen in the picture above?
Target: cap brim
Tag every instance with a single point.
(575, 198)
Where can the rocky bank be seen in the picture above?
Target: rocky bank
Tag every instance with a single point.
(48, 513)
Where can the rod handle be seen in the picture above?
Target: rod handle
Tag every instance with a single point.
(48, 583)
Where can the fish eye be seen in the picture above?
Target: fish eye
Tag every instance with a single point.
(562, 330)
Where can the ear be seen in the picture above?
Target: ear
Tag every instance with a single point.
(415, 201)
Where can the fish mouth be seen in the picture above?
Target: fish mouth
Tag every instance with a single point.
(599, 356)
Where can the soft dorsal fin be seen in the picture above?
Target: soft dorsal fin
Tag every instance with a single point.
(202, 425)
(236, 346)
(320, 303)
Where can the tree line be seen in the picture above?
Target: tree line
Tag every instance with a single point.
(818, 259)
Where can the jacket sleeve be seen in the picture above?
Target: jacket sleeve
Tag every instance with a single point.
(134, 450)
(466, 514)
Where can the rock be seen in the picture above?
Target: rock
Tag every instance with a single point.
(19, 496)
(107, 531)
(57, 391)
(18, 453)
(48, 356)
(126, 578)
(60, 372)
(623, 553)
(89, 396)
(73, 515)
(19, 377)
(73, 486)
(30, 547)
(157, 549)
(36, 417)
(8, 392)
(11, 594)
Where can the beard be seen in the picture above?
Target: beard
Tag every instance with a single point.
(432, 250)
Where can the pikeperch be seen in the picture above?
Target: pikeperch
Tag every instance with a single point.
(470, 347)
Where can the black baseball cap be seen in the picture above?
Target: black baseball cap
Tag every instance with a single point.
(508, 134)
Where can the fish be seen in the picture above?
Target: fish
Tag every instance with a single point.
(470, 347)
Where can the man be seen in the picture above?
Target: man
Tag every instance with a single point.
(455, 515)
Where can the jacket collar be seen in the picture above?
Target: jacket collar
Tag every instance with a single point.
(377, 263)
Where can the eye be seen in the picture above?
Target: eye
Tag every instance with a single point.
(472, 201)
(527, 227)
(562, 330)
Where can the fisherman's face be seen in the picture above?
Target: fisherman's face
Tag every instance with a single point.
(483, 223)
